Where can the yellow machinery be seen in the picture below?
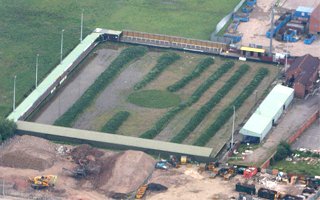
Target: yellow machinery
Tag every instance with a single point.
(183, 160)
(42, 182)
(141, 191)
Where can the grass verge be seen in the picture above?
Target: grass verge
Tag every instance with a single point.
(300, 167)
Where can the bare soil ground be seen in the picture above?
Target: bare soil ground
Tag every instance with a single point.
(255, 30)
(108, 172)
(120, 172)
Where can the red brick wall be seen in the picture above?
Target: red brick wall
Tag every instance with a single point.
(299, 90)
(306, 125)
(293, 138)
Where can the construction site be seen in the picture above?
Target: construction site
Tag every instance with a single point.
(56, 171)
(80, 136)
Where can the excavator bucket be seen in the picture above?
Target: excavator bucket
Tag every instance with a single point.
(42, 182)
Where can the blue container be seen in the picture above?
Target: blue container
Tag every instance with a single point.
(303, 12)
(251, 2)
(242, 17)
(309, 39)
(247, 9)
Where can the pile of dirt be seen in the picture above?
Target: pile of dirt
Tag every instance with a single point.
(111, 172)
(28, 152)
(126, 171)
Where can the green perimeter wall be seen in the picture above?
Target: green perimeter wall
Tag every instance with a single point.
(111, 141)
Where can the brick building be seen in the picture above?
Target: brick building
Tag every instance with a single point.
(302, 74)
(314, 27)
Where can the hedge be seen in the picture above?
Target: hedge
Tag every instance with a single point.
(115, 122)
(162, 122)
(7, 129)
(125, 57)
(207, 108)
(210, 81)
(203, 64)
(162, 63)
(226, 113)
(165, 119)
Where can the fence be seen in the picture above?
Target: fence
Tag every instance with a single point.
(167, 41)
(225, 20)
(298, 133)
(305, 126)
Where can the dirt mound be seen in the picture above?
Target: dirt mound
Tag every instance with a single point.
(28, 152)
(85, 152)
(126, 171)
(113, 172)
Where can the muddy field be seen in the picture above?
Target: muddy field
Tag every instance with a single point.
(255, 30)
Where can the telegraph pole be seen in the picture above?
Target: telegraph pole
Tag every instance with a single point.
(37, 64)
(61, 49)
(233, 120)
(287, 52)
(271, 31)
(14, 93)
(81, 26)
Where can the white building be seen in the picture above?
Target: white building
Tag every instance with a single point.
(268, 112)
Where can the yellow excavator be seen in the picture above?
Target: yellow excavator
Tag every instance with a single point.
(43, 182)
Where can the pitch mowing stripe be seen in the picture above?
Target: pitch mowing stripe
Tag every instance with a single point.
(166, 118)
(201, 66)
(226, 113)
(125, 57)
(207, 108)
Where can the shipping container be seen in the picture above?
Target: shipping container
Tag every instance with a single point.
(246, 188)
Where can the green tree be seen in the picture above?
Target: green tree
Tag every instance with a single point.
(7, 129)
(283, 150)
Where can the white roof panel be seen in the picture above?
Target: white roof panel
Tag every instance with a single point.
(267, 110)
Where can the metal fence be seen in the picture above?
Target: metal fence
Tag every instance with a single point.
(225, 20)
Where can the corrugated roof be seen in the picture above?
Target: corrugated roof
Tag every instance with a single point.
(107, 31)
(255, 125)
(252, 49)
(53, 76)
(304, 9)
(267, 110)
(114, 139)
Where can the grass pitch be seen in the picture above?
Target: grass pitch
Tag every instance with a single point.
(154, 99)
(34, 27)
